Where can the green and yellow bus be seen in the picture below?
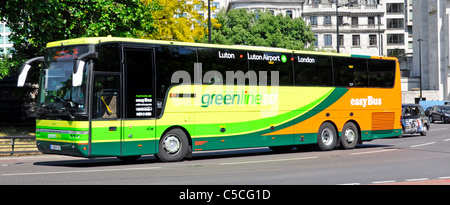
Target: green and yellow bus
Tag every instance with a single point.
(122, 97)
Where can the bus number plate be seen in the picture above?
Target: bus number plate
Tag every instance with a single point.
(55, 147)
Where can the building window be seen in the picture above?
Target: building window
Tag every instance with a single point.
(395, 23)
(355, 40)
(316, 43)
(327, 40)
(354, 21)
(216, 5)
(313, 20)
(341, 40)
(340, 20)
(373, 40)
(371, 21)
(410, 16)
(289, 13)
(395, 38)
(395, 52)
(327, 21)
(394, 8)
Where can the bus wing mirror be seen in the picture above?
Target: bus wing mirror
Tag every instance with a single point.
(78, 65)
(25, 68)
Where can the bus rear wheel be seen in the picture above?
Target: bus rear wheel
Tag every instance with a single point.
(173, 146)
(326, 137)
(350, 136)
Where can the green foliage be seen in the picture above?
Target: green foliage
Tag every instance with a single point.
(262, 29)
(35, 23)
(180, 20)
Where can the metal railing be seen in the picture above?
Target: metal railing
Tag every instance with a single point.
(18, 144)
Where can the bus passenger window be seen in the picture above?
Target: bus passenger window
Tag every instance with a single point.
(313, 70)
(170, 59)
(269, 62)
(350, 72)
(381, 73)
(216, 62)
(106, 97)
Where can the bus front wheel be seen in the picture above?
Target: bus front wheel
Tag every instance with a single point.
(173, 146)
(326, 137)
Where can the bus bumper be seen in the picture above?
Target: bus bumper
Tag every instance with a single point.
(62, 148)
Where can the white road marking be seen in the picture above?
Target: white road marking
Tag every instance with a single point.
(419, 145)
(370, 152)
(437, 129)
(412, 180)
(351, 184)
(446, 140)
(392, 181)
(444, 177)
(271, 160)
(383, 182)
(80, 171)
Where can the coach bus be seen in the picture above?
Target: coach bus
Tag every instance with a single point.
(122, 97)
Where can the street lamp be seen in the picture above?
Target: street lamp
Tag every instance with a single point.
(420, 66)
(337, 22)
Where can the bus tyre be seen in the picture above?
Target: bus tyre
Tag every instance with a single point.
(326, 137)
(350, 136)
(173, 146)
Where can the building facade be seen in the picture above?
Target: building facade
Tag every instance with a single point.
(431, 42)
(368, 27)
(291, 8)
(361, 25)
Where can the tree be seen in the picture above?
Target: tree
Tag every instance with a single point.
(35, 23)
(180, 20)
(262, 29)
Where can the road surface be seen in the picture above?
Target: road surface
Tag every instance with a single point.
(409, 160)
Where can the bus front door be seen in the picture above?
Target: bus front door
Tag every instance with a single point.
(106, 123)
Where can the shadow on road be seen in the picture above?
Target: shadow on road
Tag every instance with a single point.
(96, 162)
(202, 155)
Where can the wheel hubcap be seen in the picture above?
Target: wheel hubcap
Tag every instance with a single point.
(327, 136)
(171, 144)
(349, 135)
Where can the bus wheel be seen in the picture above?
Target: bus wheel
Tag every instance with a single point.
(173, 146)
(326, 137)
(350, 136)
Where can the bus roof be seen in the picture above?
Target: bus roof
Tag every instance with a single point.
(97, 40)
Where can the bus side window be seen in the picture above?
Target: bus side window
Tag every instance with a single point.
(268, 62)
(313, 70)
(170, 59)
(106, 97)
(350, 72)
(381, 73)
(218, 61)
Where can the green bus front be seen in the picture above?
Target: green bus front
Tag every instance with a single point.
(95, 118)
(62, 125)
